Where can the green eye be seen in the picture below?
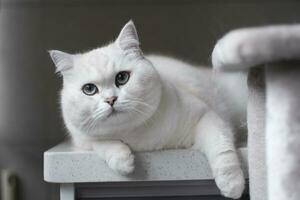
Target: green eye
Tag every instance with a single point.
(122, 78)
(89, 89)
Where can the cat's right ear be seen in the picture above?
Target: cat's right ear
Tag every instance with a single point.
(63, 61)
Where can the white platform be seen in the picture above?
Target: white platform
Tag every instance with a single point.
(63, 164)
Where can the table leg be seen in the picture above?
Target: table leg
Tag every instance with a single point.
(67, 191)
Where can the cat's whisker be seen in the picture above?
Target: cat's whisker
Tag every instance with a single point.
(142, 113)
(131, 107)
(141, 103)
(129, 103)
(144, 121)
(89, 124)
(137, 100)
(92, 122)
(98, 115)
(98, 112)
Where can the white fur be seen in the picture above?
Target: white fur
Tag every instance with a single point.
(165, 104)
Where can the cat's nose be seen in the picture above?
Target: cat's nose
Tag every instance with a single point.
(111, 100)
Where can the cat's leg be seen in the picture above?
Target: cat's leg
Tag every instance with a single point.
(117, 155)
(215, 138)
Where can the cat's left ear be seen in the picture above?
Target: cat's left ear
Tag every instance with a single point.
(128, 39)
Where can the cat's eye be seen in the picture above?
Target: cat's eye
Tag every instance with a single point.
(122, 78)
(89, 89)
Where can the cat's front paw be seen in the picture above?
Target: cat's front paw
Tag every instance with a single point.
(230, 180)
(122, 162)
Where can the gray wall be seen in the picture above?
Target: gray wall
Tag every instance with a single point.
(30, 121)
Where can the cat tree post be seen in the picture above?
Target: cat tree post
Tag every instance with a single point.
(243, 50)
(256, 134)
(283, 130)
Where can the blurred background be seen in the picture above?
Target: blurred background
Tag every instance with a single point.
(30, 121)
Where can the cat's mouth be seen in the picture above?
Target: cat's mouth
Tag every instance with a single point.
(113, 112)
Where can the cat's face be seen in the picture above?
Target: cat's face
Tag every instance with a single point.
(109, 88)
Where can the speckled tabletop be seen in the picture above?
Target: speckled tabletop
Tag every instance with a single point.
(63, 164)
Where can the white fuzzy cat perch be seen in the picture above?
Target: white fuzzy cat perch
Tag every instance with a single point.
(270, 54)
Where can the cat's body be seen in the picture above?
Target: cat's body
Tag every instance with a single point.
(115, 99)
(225, 93)
(184, 100)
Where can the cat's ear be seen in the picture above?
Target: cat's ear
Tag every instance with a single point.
(128, 39)
(63, 61)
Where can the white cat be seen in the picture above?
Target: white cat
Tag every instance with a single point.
(115, 99)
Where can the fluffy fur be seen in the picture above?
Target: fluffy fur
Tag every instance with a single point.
(165, 104)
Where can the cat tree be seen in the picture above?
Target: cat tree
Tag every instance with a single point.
(270, 55)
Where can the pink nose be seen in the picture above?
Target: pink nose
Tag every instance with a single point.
(111, 100)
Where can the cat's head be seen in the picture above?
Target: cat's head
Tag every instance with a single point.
(110, 88)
